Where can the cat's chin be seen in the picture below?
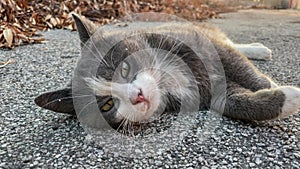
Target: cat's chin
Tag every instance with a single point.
(143, 106)
(140, 112)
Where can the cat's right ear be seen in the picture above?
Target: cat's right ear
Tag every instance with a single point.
(59, 101)
(85, 27)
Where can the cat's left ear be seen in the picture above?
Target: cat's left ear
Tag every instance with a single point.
(85, 27)
(59, 101)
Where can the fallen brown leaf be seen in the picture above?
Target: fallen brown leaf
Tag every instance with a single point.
(3, 64)
(20, 19)
(8, 36)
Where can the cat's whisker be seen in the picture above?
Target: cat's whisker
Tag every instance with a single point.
(127, 116)
(99, 85)
(161, 42)
(155, 54)
(164, 71)
(99, 54)
(121, 124)
(87, 47)
(88, 104)
(160, 82)
(132, 130)
(125, 123)
(63, 98)
(95, 55)
(128, 125)
(167, 67)
(125, 127)
(173, 48)
(111, 58)
(121, 130)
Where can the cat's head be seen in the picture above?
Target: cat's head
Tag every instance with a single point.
(132, 81)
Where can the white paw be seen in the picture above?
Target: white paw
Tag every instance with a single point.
(255, 51)
(256, 44)
(292, 100)
(260, 52)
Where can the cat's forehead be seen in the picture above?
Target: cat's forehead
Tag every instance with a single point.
(138, 49)
(134, 50)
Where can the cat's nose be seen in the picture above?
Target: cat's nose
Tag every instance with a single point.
(139, 98)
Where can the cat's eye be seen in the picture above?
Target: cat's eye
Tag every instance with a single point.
(125, 69)
(107, 106)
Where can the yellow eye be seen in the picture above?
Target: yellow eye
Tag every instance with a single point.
(125, 69)
(107, 106)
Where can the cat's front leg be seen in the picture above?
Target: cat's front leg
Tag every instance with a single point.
(240, 70)
(265, 104)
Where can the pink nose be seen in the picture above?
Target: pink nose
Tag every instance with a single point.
(139, 99)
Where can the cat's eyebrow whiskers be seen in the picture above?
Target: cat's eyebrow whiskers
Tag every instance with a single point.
(99, 54)
(111, 58)
(87, 47)
(95, 55)
(161, 42)
(163, 63)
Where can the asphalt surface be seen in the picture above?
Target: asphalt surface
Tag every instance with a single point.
(31, 137)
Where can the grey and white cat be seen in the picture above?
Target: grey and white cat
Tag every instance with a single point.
(137, 78)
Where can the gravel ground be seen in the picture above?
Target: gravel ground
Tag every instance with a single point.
(31, 137)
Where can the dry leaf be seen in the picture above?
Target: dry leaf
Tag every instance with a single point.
(3, 64)
(8, 35)
(24, 17)
(48, 17)
(53, 21)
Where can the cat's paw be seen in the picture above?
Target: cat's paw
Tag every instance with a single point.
(292, 101)
(255, 51)
(257, 44)
(260, 52)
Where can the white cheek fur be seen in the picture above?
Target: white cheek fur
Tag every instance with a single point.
(142, 111)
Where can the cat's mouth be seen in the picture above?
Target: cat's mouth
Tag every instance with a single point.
(141, 101)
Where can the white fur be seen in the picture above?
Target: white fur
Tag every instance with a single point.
(292, 101)
(273, 84)
(125, 92)
(254, 51)
(143, 111)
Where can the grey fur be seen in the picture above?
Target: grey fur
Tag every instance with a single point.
(249, 93)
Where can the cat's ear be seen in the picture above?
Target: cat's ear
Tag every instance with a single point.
(85, 27)
(59, 101)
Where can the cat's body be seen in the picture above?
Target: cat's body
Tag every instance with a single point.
(157, 68)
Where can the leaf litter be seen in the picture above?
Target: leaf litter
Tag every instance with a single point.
(21, 20)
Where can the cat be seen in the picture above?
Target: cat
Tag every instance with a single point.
(148, 72)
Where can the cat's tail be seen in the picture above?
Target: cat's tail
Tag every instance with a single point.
(265, 104)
